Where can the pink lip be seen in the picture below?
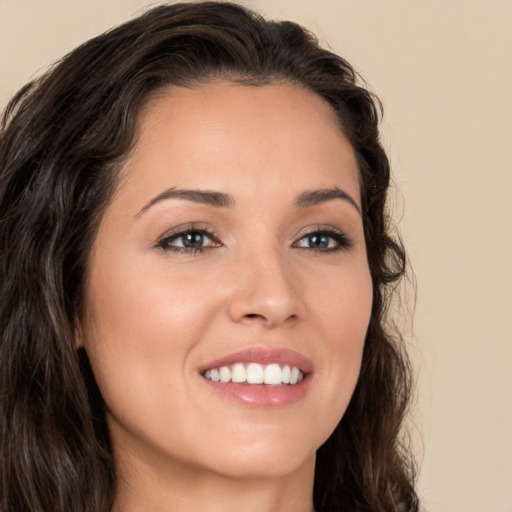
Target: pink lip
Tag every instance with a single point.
(261, 395)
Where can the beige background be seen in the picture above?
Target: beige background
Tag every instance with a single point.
(444, 71)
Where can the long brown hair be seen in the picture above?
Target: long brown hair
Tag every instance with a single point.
(63, 138)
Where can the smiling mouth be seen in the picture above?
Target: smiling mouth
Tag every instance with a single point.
(272, 374)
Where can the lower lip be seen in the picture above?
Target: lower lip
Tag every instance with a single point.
(261, 395)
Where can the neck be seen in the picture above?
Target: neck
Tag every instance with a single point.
(180, 489)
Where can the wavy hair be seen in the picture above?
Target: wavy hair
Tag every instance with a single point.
(63, 139)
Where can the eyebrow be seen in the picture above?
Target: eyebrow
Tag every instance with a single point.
(208, 197)
(223, 200)
(315, 197)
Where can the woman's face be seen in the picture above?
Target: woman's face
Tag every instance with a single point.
(233, 249)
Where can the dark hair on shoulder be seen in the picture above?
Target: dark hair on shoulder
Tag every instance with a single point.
(63, 139)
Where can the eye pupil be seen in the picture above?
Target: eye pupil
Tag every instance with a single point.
(193, 239)
(319, 241)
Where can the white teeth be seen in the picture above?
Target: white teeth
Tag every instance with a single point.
(272, 374)
(238, 373)
(285, 374)
(253, 373)
(294, 375)
(225, 374)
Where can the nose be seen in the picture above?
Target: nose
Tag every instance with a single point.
(266, 291)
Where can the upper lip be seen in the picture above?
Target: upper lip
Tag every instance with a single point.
(263, 356)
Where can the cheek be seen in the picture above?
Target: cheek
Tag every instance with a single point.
(344, 314)
(343, 307)
(138, 295)
(140, 326)
(137, 320)
(139, 339)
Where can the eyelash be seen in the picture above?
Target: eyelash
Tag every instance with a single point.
(165, 242)
(343, 242)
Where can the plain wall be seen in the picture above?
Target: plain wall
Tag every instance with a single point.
(443, 69)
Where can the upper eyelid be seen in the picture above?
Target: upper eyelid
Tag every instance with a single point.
(319, 228)
(182, 230)
(187, 228)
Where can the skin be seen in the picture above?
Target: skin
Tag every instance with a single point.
(153, 317)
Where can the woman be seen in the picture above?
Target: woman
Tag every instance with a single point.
(195, 271)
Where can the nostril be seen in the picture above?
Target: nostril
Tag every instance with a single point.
(257, 317)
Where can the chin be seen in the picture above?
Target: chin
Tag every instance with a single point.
(265, 456)
(265, 466)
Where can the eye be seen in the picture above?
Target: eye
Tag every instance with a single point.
(189, 241)
(324, 240)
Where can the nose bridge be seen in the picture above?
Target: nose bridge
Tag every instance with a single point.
(265, 288)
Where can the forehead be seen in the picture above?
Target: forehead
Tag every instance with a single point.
(222, 134)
